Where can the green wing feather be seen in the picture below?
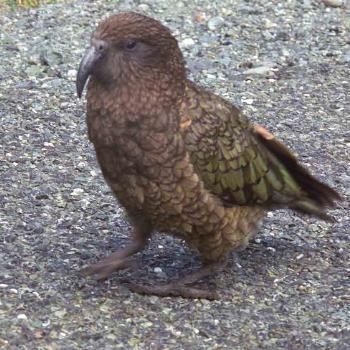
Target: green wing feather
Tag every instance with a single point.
(242, 166)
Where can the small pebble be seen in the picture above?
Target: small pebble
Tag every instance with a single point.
(248, 101)
(71, 74)
(143, 7)
(333, 3)
(347, 57)
(269, 24)
(215, 23)
(77, 192)
(46, 323)
(200, 17)
(3, 342)
(22, 317)
(186, 43)
(262, 70)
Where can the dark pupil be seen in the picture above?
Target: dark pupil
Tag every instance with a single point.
(130, 44)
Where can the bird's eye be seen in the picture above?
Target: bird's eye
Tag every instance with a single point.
(130, 45)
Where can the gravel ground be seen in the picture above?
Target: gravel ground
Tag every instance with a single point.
(286, 63)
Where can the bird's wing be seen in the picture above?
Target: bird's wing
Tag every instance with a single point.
(243, 164)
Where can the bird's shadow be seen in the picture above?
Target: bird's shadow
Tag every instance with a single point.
(174, 260)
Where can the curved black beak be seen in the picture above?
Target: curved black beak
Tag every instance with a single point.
(85, 68)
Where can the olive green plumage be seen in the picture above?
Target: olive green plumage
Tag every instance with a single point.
(243, 164)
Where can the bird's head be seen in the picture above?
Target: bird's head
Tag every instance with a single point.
(129, 48)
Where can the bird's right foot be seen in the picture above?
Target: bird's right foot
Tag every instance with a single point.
(174, 290)
(183, 287)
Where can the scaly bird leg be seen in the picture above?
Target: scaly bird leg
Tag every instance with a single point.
(118, 260)
(181, 287)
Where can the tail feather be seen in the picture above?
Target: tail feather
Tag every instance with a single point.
(318, 196)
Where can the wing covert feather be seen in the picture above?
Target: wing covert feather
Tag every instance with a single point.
(242, 163)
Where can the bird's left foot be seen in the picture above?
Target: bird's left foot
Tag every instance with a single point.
(182, 287)
(120, 259)
(104, 268)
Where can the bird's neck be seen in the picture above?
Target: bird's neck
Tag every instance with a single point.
(133, 110)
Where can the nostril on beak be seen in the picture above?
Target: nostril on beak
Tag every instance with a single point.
(99, 45)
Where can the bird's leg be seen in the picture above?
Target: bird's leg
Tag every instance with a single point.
(182, 287)
(119, 259)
